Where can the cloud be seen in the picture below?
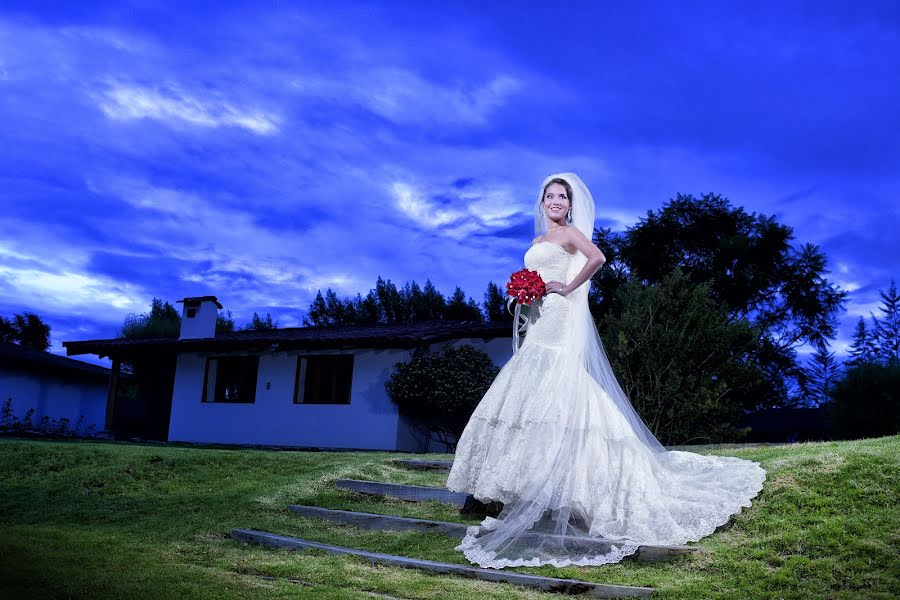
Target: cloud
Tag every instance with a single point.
(405, 97)
(455, 213)
(126, 102)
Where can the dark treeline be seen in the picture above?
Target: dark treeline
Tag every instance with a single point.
(386, 304)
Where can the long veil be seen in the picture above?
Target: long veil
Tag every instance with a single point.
(608, 486)
(583, 338)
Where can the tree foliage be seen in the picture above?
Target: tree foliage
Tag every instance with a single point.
(440, 390)
(818, 377)
(26, 329)
(863, 348)
(887, 328)
(164, 321)
(386, 304)
(865, 401)
(753, 272)
(495, 308)
(678, 358)
(880, 342)
(258, 323)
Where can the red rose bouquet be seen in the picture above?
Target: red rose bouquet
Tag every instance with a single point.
(525, 285)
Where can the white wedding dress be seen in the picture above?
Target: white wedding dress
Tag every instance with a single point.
(577, 483)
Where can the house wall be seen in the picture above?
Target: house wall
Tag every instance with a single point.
(371, 421)
(55, 396)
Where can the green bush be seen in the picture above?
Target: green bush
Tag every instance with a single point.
(440, 390)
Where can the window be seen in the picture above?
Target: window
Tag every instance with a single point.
(323, 379)
(230, 379)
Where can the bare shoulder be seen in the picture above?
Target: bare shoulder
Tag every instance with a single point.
(573, 234)
(581, 242)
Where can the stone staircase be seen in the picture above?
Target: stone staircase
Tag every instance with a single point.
(467, 504)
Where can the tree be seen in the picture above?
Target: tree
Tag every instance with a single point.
(678, 358)
(461, 309)
(260, 324)
(819, 376)
(887, 329)
(386, 304)
(863, 347)
(26, 329)
(751, 269)
(881, 343)
(224, 322)
(495, 309)
(163, 321)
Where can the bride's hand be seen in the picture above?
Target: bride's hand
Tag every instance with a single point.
(556, 287)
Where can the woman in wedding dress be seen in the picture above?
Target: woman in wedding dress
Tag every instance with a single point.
(582, 479)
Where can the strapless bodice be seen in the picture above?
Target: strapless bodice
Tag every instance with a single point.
(549, 259)
(548, 315)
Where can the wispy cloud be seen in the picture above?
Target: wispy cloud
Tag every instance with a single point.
(127, 102)
(408, 98)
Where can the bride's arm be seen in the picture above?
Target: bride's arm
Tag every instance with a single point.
(595, 259)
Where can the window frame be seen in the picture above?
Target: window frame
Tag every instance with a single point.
(206, 379)
(344, 363)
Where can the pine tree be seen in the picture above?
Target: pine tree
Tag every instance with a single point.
(495, 304)
(862, 348)
(887, 329)
(258, 323)
(819, 376)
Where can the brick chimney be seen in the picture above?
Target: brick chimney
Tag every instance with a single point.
(198, 317)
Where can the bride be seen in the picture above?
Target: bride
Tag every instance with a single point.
(556, 440)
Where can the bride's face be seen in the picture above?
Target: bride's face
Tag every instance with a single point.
(556, 201)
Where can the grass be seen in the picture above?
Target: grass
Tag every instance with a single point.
(115, 520)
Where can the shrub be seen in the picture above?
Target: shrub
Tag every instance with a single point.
(440, 390)
(46, 426)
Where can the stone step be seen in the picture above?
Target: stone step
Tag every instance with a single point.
(366, 520)
(546, 584)
(423, 465)
(414, 493)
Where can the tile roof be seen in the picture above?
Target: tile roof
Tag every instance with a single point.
(47, 362)
(400, 335)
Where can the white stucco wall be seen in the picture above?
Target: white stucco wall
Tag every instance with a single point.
(54, 396)
(371, 421)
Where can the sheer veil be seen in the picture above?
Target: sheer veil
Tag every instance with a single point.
(583, 339)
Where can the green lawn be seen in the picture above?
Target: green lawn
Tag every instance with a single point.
(116, 520)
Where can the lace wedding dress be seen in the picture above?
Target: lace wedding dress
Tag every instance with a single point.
(581, 483)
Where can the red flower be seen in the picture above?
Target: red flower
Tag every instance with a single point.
(525, 285)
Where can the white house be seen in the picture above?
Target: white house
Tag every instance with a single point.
(320, 387)
(54, 386)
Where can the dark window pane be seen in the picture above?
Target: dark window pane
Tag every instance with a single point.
(231, 379)
(325, 379)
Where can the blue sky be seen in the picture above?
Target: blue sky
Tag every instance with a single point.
(263, 151)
